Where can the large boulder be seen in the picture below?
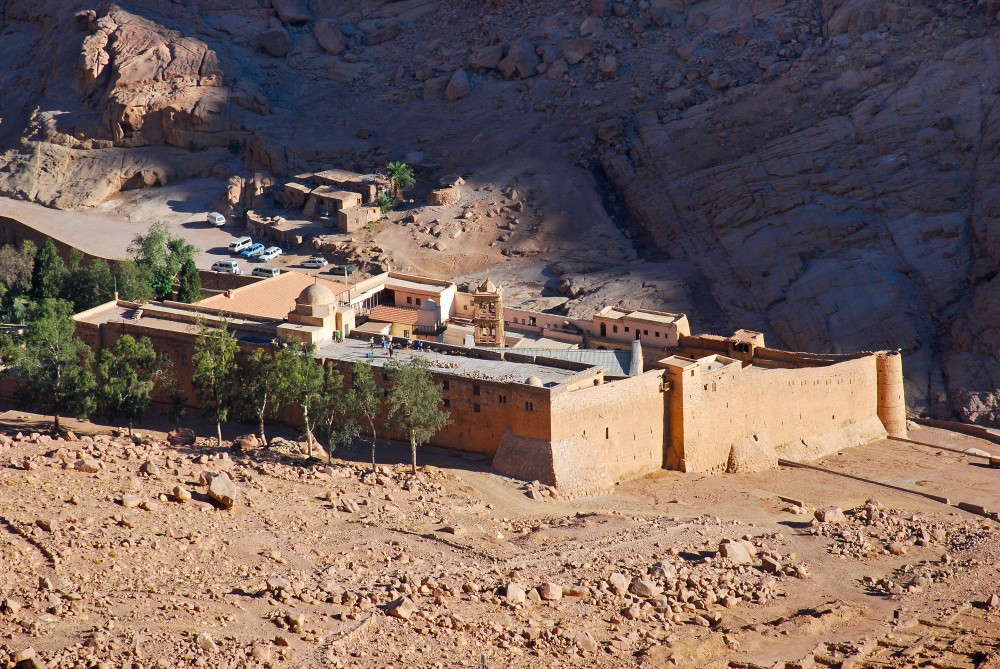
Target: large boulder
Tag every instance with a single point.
(292, 11)
(276, 41)
(521, 60)
(330, 37)
(181, 436)
(222, 489)
(487, 57)
(458, 86)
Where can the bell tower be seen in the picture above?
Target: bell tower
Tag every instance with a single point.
(488, 314)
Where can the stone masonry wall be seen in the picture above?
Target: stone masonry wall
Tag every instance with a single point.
(799, 412)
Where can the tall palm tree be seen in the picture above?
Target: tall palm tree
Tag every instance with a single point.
(401, 176)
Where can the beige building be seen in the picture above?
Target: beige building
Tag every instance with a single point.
(572, 415)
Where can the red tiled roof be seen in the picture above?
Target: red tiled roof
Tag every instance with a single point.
(401, 315)
(269, 298)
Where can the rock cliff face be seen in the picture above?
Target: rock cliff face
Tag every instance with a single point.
(825, 171)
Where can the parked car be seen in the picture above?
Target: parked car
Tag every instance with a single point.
(270, 253)
(343, 270)
(315, 262)
(216, 219)
(227, 267)
(238, 245)
(266, 272)
(253, 251)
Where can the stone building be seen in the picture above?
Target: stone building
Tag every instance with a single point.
(569, 415)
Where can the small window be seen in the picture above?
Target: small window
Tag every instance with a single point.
(626, 328)
(501, 399)
(657, 333)
(418, 301)
(645, 332)
(607, 433)
(446, 385)
(184, 360)
(614, 328)
(446, 402)
(409, 300)
(531, 320)
(406, 333)
(528, 406)
(476, 408)
(165, 357)
(475, 390)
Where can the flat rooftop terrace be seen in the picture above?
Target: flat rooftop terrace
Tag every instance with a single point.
(644, 315)
(352, 350)
(168, 319)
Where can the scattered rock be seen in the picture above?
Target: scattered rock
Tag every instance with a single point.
(550, 591)
(247, 442)
(149, 468)
(830, 514)
(330, 37)
(515, 594)
(131, 501)
(458, 86)
(644, 588)
(276, 41)
(181, 494)
(181, 436)
(206, 643)
(402, 608)
(87, 466)
(222, 490)
(740, 552)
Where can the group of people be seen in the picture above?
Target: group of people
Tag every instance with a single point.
(389, 346)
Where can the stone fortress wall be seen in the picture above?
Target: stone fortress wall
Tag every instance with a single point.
(706, 404)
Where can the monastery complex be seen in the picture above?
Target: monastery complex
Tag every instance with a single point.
(579, 404)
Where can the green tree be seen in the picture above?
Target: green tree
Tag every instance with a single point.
(47, 273)
(307, 390)
(265, 388)
(160, 256)
(89, 286)
(214, 363)
(190, 282)
(414, 404)
(132, 282)
(339, 424)
(16, 266)
(400, 176)
(127, 371)
(367, 397)
(13, 308)
(51, 365)
(385, 201)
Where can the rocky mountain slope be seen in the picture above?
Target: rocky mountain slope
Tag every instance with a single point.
(824, 171)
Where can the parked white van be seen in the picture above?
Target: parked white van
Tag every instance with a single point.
(240, 245)
(215, 218)
(226, 267)
(266, 272)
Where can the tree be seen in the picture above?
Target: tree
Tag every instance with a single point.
(132, 282)
(160, 256)
(190, 282)
(214, 363)
(16, 266)
(307, 390)
(53, 366)
(384, 201)
(340, 418)
(266, 385)
(127, 371)
(414, 401)
(47, 273)
(367, 397)
(400, 176)
(89, 286)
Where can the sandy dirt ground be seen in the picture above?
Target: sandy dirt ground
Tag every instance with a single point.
(333, 565)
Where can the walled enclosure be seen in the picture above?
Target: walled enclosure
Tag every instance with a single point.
(597, 436)
(799, 413)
